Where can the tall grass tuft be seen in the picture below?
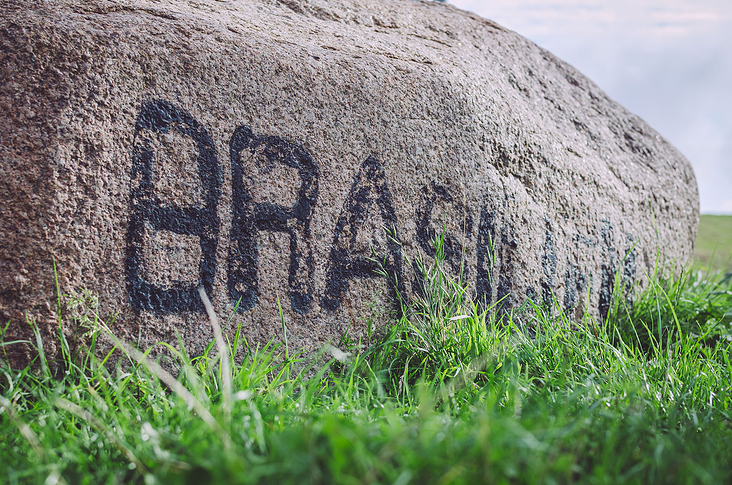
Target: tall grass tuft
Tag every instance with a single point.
(451, 393)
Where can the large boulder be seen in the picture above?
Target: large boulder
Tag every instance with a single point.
(268, 149)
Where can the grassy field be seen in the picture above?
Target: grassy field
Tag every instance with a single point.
(449, 394)
(714, 241)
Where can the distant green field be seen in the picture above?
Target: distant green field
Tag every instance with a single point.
(714, 240)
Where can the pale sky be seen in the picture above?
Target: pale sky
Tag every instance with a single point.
(668, 61)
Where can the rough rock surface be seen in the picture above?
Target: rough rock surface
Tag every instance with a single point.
(261, 147)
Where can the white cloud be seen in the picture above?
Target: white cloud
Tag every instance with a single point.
(668, 61)
(649, 20)
(726, 206)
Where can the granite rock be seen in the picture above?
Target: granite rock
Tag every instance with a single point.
(267, 149)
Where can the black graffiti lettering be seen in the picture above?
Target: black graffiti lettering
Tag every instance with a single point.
(368, 192)
(485, 258)
(251, 217)
(426, 234)
(147, 210)
(507, 248)
(614, 282)
(549, 265)
(607, 270)
(629, 268)
(575, 284)
(170, 216)
(496, 247)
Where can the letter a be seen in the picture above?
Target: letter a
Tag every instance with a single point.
(368, 193)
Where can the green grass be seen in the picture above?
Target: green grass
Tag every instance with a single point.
(714, 243)
(447, 394)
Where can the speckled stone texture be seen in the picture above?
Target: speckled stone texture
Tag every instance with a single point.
(261, 147)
